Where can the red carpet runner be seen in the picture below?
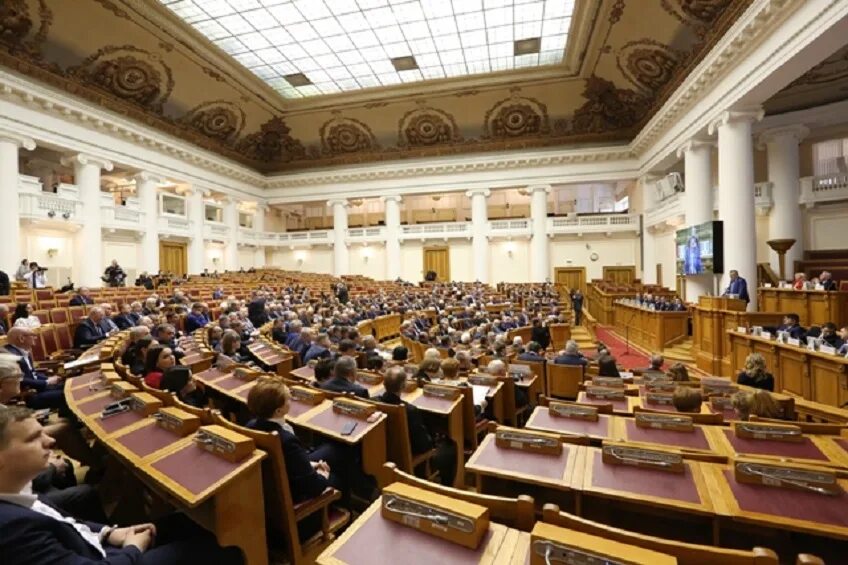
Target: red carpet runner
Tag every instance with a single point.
(636, 359)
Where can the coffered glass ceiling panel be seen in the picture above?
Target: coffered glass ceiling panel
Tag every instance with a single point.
(313, 47)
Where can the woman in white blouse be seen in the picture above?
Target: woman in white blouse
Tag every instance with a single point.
(23, 317)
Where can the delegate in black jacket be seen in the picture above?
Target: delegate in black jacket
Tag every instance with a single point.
(419, 437)
(304, 481)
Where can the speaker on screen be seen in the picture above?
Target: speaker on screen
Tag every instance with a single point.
(700, 249)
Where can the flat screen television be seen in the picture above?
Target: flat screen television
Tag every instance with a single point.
(700, 249)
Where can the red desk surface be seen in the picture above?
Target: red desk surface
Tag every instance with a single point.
(334, 422)
(843, 443)
(96, 405)
(297, 408)
(149, 439)
(542, 419)
(617, 405)
(789, 503)
(83, 392)
(536, 464)
(307, 373)
(658, 407)
(688, 440)
(398, 544)
(805, 449)
(243, 393)
(229, 383)
(194, 468)
(85, 379)
(210, 374)
(114, 423)
(646, 482)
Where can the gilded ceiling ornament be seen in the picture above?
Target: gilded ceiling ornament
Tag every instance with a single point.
(272, 143)
(217, 119)
(516, 116)
(18, 31)
(698, 12)
(649, 64)
(608, 108)
(346, 135)
(128, 73)
(426, 126)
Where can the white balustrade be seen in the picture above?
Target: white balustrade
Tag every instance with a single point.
(172, 224)
(369, 234)
(214, 231)
(598, 223)
(826, 188)
(436, 231)
(34, 203)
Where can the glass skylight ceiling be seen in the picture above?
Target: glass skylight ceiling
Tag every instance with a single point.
(312, 47)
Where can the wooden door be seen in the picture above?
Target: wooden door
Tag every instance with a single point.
(623, 275)
(567, 278)
(437, 259)
(173, 257)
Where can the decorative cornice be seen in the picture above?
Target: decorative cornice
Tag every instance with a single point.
(735, 117)
(755, 25)
(694, 145)
(798, 132)
(85, 159)
(21, 141)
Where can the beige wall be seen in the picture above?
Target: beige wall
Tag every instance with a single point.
(576, 252)
(368, 261)
(506, 267)
(315, 260)
(825, 227)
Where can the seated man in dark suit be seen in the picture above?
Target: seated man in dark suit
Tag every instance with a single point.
(826, 280)
(82, 297)
(540, 334)
(655, 370)
(47, 390)
(572, 355)
(347, 348)
(88, 331)
(791, 325)
(420, 439)
(830, 337)
(124, 319)
(532, 353)
(318, 350)
(344, 378)
(195, 319)
(278, 331)
(33, 532)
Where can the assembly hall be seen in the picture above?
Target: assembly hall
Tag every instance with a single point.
(416, 282)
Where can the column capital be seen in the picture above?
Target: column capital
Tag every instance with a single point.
(392, 197)
(693, 145)
(343, 202)
(21, 141)
(478, 192)
(797, 132)
(86, 159)
(264, 206)
(735, 116)
(146, 176)
(546, 188)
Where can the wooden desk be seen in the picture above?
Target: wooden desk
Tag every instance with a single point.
(813, 450)
(712, 318)
(371, 436)
(542, 420)
(372, 539)
(451, 412)
(814, 307)
(600, 303)
(813, 375)
(781, 508)
(653, 330)
(622, 407)
(548, 478)
(698, 441)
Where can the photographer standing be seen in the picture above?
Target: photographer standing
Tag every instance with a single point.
(114, 275)
(36, 278)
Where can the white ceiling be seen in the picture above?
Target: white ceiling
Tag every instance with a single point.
(347, 45)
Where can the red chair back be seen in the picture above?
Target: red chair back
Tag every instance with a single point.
(43, 316)
(76, 313)
(59, 315)
(63, 336)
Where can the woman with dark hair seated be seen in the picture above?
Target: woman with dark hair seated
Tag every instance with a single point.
(607, 366)
(138, 353)
(158, 360)
(400, 355)
(179, 380)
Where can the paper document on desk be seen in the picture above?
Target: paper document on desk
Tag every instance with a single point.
(82, 361)
(480, 392)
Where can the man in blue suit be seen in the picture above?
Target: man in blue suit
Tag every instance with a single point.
(33, 532)
(47, 390)
(738, 286)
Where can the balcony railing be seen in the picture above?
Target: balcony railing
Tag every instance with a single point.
(827, 188)
(127, 216)
(366, 235)
(602, 223)
(441, 230)
(213, 231)
(34, 203)
(175, 225)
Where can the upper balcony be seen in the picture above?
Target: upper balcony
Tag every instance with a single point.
(373, 234)
(62, 206)
(596, 223)
(823, 189)
(440, 230)
(215, 231)
(124, 217)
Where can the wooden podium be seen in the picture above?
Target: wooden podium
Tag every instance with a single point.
(713, 317)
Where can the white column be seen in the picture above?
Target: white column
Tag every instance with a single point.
(197, 219)
(146, 188)
(736, 195)
(479, 232)
(88, 242)
(649, 252)
(540, 264)
(259, 227)
(341, 255)
(697, 202)
(231, 255)
(392, 203)
(784, 171)
(10, 250)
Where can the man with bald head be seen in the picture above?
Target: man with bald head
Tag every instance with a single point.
(89, 331)
(47, 390)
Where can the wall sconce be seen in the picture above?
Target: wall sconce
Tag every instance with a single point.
(66, 215)
(51, 213)
(52, 252)
(215, 260)
(510, 249)
(300, 257)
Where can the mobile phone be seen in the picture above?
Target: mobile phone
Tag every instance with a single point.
(348, 428)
